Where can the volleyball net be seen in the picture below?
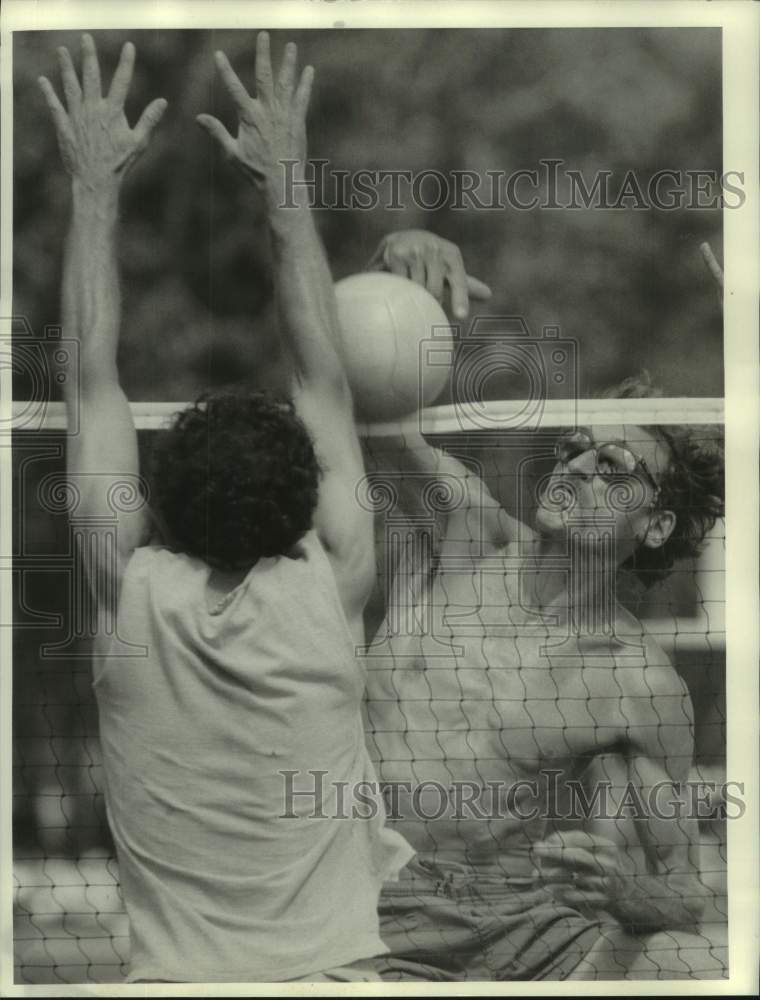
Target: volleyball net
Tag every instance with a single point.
(69, 918)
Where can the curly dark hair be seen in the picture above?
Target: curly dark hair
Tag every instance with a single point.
(235, 478)
(692, 486)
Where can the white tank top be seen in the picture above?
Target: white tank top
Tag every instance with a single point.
(224, 877)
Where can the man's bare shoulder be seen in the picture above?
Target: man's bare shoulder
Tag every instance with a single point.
(656, 699)
(652, 674)
(629, 688)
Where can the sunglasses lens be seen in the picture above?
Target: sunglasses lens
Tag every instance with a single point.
(570, 446)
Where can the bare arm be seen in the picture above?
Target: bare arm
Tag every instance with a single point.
(635, 857)
(408, 462)
(471, 519)
(271, 133)
(323, 399)
(666, 890)
(97, 148)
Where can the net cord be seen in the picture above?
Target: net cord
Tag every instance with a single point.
(505, 415)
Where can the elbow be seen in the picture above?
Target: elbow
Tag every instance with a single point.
(691, 900)
(697, 903)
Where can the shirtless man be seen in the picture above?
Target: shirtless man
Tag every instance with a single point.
(231, 660)
(484, 720)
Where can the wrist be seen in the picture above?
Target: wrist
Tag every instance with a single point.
(286, 186)
(289, 219)
(100, 199)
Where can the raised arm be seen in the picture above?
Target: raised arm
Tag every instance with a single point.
(409, 461)
(421, 474)
(98, 147)
(270, 148)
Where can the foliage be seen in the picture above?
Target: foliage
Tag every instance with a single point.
(628, 284)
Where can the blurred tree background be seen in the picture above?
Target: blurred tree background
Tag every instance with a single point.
(629, 285)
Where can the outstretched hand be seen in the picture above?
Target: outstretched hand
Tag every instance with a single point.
(272, 125)
(97, 145)
(433, 263)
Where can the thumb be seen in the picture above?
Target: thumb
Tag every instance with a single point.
(551, 841)
(574, 839)
(218, 132)
(477, 289)
(377, 260)
(149, 119)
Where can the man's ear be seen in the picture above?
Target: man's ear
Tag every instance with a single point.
(661, 525)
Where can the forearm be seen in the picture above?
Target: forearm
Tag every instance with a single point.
(305, 295)
(409, 465)
(414, 466)
(639, 869)
(659, 902)
(91, 295)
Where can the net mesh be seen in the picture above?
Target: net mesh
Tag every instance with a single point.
(437, 713)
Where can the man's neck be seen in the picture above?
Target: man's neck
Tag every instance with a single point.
(578, 580)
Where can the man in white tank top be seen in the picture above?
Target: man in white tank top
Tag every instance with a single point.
(230, 673)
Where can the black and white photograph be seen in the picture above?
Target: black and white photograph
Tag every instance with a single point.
(378, 529)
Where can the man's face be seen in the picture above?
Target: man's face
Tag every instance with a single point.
(607, 476)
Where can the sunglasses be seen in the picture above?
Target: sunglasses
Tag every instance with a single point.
(612, 458)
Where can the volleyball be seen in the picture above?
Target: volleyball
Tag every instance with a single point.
(397, 344)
